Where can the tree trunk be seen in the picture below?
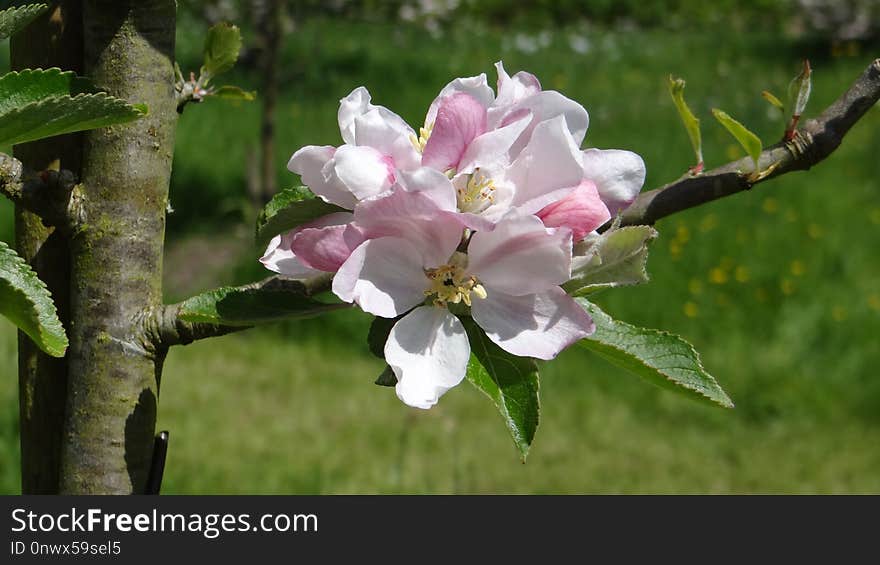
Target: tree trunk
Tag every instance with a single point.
(116, 251)
(88, 420)
(54, 40)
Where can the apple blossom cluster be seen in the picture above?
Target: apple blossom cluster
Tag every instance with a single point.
(484, 212)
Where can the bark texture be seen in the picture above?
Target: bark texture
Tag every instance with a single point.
(54, 39)
(116, 251)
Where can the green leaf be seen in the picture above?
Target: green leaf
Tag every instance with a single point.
(229, 92)
(222, 46)
(288, 209)
(799, 90)
(661, 358)
(272, 300)
(690, 121)
(749, 141)
(616, 258)
(380, 329)
(510, 381)
(26, 301)
(43, 103)
(13, 19)
(387, 377)
(771, 98)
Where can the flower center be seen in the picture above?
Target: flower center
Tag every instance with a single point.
(450, 283)
(424, 135)
(477, 194)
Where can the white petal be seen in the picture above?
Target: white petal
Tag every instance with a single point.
(428, 351)
(534, 325)
(618, 174)
(520, 256)
(279, 258)
(512, 90)
(383, 276)
(357, 104)
(432, 183)
(362, 170)
(312, 163)
(548, 168)
(491, 150)
(390, 137)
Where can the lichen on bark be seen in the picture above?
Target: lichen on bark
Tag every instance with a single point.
(116, 252)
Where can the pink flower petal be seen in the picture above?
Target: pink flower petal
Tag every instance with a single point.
(533, 325)
(618, 174)
(326, 249)
(491, 150)
(582, 211)
(460, 119)
(415, 217)
(279, 258)
(520, 256)
(383, 276)
(548, 168)
(428, 351)
(476, 86)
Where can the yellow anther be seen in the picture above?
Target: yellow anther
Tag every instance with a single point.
(424, 135)
(478, 194)
(450, 283)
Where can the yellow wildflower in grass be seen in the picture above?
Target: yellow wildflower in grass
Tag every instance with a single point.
(691, 310)
(839, 313)
(675, 249)
(741, 274)
(786, 286)
(718, 276)
(682, 233)
(770, 205)
(798, 268)
(708, 223)
(815, 231)
(874, 302)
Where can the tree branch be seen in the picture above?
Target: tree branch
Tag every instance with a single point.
(817, 139)
(165, 327)
(47, 194)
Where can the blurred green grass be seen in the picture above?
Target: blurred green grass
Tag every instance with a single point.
(779, 288)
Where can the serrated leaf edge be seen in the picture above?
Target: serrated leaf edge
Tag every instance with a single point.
(18, 262)
(696, 354)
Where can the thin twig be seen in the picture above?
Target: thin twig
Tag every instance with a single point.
(814, 142)
(166, 328)
(48, 194)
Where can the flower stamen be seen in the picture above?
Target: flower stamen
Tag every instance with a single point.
(424, 135)
(478, 194)
(450, 283)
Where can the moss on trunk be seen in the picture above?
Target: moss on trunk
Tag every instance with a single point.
(116, 252)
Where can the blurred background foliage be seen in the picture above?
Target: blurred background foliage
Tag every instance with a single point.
(779, 288)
